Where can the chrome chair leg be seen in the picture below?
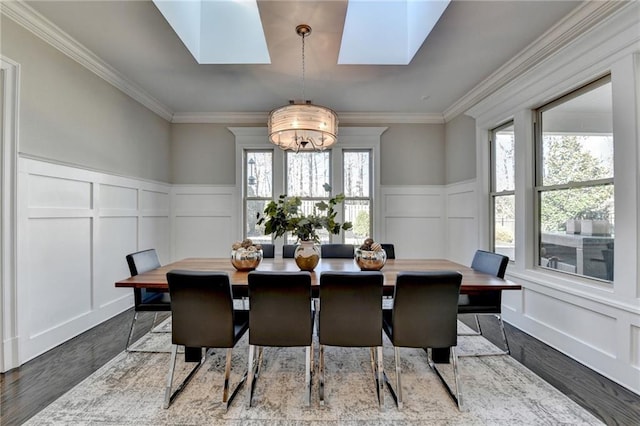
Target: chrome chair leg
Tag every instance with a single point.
(507, 351)
(251, 373)
(380, 379)
(131, 329)
(397, 396)
(454, 362)
(504, 335)
(168, 396)
(457, 396)
(307, 374)
(321, 374)
(226, 398)
(398, 380)
(378, 373)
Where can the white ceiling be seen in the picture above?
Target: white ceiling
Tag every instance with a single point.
(471, 40)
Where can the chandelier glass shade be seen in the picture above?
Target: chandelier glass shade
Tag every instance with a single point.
(303, 126)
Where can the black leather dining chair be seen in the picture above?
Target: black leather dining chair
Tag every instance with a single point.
(351, 316)
(424, 315)
(390, 250)
(486, 302)
(268, 251)
(145, 300)
(203, 317)
(337, 251)
(288, 250)
(280, 315)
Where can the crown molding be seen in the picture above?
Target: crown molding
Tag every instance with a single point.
(221, 118)
(344, 117)
(27, 17)
(572, 26)
(389, 117)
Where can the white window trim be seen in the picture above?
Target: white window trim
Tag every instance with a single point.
(247, 138)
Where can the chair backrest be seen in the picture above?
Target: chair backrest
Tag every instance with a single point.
(201, 308)
(336, 251)
(268, 251)
(140, 262)
(351, 308)
(390, 250)
(425, 309)
(280, 308)
(288, 250)
(490, 263)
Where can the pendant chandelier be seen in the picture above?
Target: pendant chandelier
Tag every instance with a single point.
(301, 125)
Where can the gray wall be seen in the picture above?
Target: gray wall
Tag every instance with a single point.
(202, 154)
(410, 154)
(71, 115)
(460, 154)
(413, 154)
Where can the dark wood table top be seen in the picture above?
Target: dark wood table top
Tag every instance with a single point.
(472, 281)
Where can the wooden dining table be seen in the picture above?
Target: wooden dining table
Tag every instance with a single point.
(472, 281)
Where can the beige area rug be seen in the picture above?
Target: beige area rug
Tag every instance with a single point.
(129, 390)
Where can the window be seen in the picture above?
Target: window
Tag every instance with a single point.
(356, 170)
(305, 174)
(258, 190)
(575, 182)
(502, 145)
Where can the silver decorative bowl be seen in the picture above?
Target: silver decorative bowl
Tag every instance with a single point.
(246, 260)
(370, 260)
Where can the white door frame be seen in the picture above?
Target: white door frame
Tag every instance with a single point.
(10, 97)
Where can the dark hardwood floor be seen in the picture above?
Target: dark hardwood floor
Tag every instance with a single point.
(28, 389)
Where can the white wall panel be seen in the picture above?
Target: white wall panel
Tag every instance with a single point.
(155, 200)
(635, 346)
(75, 227)
(416, 238)
(577, 322)
(205, 220)
(46, 191)
(421, 205)
(59, 265)
(214, 204)
(413, 220)
(118, 198)
(153, 234)
(203, 237)
(462, 221)
(116, 235)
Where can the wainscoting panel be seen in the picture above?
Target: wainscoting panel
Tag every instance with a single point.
(59, 270)
(596, 331)
(413, 220)
(462, 222)
(116, 235)
(204, 220)
(577, 322)
(635, 346)
(75, 227)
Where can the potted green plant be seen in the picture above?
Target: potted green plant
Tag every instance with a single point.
(285, 216)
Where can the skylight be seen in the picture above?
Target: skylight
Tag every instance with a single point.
(220, 31)
(381, 32)
(387, 32)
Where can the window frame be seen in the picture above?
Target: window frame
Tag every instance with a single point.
(493, 193)
(539, 188)
(368, 198)
(245, 182)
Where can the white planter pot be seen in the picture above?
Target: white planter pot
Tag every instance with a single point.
(573, 226)
(595, 227)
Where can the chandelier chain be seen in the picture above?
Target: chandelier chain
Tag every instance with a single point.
(303, 95)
